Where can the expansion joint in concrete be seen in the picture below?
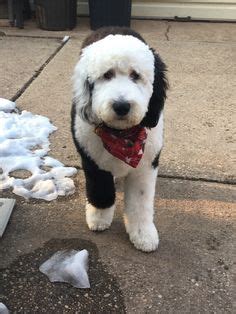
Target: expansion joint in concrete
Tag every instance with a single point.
(206, 180)
(33, 36)
(184, 178)
(167, 31)
(37, 73)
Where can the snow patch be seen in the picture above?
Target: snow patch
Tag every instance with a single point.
(24, 145)
(6, 105)
(65, 39)
(68, 266)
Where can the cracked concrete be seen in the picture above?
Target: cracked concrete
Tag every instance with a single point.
(20, 59)
(167, 32)
(37, 72)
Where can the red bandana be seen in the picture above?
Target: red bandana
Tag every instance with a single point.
(127, 145)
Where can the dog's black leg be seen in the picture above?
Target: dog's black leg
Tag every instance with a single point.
(100, 190)
(99, 187)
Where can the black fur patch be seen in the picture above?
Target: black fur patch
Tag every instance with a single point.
(100, 188)
(90, 87)
(158, 97)
(105, 31)
(99, 185)
(155, 162)
(72, 116)
(86, 111)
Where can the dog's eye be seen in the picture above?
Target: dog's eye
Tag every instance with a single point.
(109, 75)
(134, 76)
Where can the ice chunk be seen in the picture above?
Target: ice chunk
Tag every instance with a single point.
(68, 266)
(3, 309)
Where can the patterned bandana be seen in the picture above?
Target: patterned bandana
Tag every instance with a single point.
(127, 145)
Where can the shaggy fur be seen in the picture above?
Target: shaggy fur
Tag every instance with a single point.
(117, 66)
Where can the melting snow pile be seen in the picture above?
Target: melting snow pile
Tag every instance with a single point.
(68, 266)
(24, 145)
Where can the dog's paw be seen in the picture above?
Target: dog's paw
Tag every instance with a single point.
(99, 219)
(145, 237)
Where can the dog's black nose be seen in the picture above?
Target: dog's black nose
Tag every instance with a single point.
(121, 108)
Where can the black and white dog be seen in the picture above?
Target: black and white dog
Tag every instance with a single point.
(120, 83)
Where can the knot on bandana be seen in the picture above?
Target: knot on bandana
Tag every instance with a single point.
(126, 145)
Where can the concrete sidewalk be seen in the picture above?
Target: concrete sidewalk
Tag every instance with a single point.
(193, 269)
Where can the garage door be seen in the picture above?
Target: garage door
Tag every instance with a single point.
(188, 9)
(220, 10)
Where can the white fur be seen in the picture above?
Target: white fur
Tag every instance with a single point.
(124, 51)
(138, 215)
(99, 219)
(121, 53)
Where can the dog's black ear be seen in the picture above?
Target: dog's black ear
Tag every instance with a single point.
(83, 101)
(86, 110)
(157, 100)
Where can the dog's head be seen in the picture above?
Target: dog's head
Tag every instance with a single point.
(119, 81)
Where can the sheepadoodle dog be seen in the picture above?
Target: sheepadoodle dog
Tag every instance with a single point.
(117, 125)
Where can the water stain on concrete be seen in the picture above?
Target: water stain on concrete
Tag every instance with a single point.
(25, 290)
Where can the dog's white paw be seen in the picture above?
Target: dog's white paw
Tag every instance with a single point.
(144, 237)
(99, 219)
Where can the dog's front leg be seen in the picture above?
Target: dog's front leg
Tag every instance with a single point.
(100, 193)
(138, 216)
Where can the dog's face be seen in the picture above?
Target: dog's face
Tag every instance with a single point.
(121, 95)
(113, 81)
